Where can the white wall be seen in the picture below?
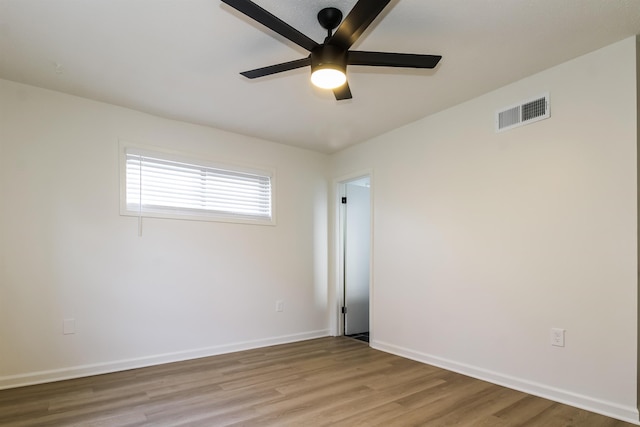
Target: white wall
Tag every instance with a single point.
(183, 288)
(638, 226)
(485, 241)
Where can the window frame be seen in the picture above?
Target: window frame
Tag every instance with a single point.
(199, 161)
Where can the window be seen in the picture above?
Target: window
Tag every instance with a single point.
(162, 185)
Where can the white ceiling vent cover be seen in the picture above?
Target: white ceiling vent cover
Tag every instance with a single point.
(524, 113)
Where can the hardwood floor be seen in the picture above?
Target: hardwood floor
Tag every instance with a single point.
(323, 382)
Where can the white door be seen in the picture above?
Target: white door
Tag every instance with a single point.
(357, 248)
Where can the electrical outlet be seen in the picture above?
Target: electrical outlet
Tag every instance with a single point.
(279, 306)
(557, 337)
(69, 326)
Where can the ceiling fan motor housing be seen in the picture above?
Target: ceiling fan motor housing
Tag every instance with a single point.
(329, 56)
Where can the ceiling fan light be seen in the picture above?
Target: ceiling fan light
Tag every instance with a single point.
(328, 78)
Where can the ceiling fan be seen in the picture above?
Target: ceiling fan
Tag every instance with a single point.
(329, 60)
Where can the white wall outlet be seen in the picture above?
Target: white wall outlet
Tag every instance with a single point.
(69, 326)
(279, 306)
(557, 337)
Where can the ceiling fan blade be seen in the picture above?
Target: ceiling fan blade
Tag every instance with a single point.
(384, 59)
(360, 17)
(342, 92)
(278, 68)
(272, 22)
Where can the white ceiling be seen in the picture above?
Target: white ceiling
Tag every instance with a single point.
(181, 58)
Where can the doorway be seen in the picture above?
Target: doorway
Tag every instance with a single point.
(356, 251)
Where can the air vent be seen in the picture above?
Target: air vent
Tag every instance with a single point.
(524, 113)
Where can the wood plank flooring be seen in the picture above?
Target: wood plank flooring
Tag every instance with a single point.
(323, 382)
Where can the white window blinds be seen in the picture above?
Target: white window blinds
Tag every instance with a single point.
(159, 185)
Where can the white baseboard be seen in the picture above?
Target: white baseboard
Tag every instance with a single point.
(609, 409)
(13, 381)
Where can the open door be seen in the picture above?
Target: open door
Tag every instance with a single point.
(356, 250)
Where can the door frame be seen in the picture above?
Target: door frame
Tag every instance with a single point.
(339, 187)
